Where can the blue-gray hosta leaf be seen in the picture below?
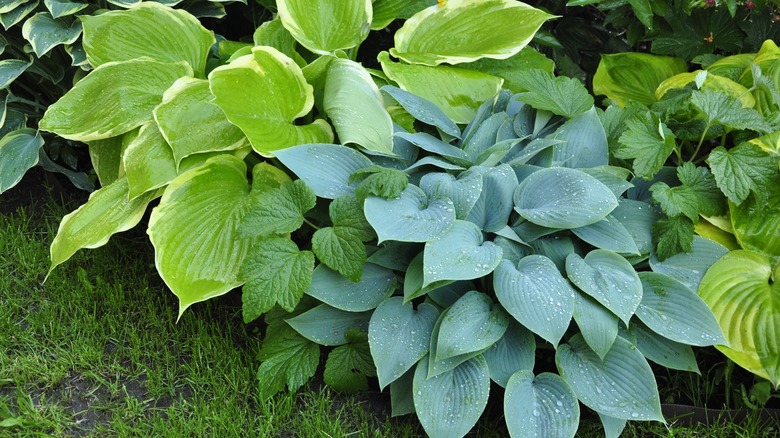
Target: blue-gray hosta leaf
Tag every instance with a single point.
(492, 209)
(599, 326)
(541, 406)
(18, 153)
(536, 295)
(324, 167)
(423, 110)
(511, 250)
(621, 385)
(485, 135)
(402, 395)
(63, 8)
(676, 312)
(399, 335)
(412, 217)
(433, 161)
(515, 351)
(689, 267)
(472, 324)
(459, 254)
(556, 247)
(331, 288)
(447, 295)
(638, 218)
(563, 198)
(664, 351)
(613, 427)
(429, 143)
(413, 280)
(449, 404)
(609, 234)
(609, 278)
(463, 191)
(585, 142)
(616, 178)
(328, 325)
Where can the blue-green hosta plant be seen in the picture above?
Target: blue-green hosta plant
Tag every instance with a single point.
(720, 127)
(470, 258)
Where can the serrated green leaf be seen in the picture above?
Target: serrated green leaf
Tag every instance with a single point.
(288, 359)
(722, 109)
(341, 249)
(649, 142)
(742, 170)
(277, 272)
(560, 95)
(383, 182)
(45, 33)
(278, 211)
(346, 211)
(701, 182)
(756, 222)
(673, 235)
(514, 68)
(348, 367)
(540, 406)
(18, 153)
(676, 201)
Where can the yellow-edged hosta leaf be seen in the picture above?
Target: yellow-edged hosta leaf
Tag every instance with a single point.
(711, 82)
(324, 26)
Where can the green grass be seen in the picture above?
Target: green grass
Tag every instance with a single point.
(96, 351)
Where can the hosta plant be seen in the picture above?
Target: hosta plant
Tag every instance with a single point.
(485, 252)
(720, 127)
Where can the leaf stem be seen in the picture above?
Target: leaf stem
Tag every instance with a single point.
(701, 141)
(309, 223)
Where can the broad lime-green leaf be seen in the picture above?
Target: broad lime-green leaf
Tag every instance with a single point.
(457, 91)
(757, 224)
(263, 94)
(272, 33)
(540, 406)
(63, 8)
(113, 99)
(324, 26)
(148, 161)
(386, 11)
(455, 32)
(198, 251)
(742, 291)
(108, 211)
(106, 157)
(354, 105)
(147, 30)
(18, 153)
(626, 77)
(45, 33)
(192, 124)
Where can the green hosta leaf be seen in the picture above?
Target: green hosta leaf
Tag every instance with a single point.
(288, 359)
(191, 124)
(599, 326)
(327, 325)
(676, 312)
(473, 323)
(18, 153)
(148, 161)
(674, 235)
(348, 366)
(63, 8)
(373, 287)
(583, 143)
(609, 234)
(127, 92)
(382, 182)
(9, 5)
(464, 191)
(278, 211)
(513, 352)
(757, 224)
(325, 168)
(689, 267)
(512, 25)
(277, 272)
(544, 405)
(386, 11)
(147, 30)
(613, 427)
(459, 254)
(626, 77)
(742, 170)
(536, 295)
(313, 23)
(341, 249)
(10, 69)
(608, 278)
(621, 385)
(492, 209)
(560, 95)
(648, 142)
(108, 211)
(722, 109)
(272, 33)
(742, 291)
(263, 94)
(412, 217)
(423, 110)
(13, 17)
(444, 86)
(195, 224)
(399, 336)
(563, 198)
(402, 395)
(663, 351)
(514, 69)
(449, 404)
(354, 105)
(106, 157)
(346, 211)
(45, 33)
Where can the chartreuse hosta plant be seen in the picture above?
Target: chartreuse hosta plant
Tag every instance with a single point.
(472, 252)
(165, 119)
(721, 127)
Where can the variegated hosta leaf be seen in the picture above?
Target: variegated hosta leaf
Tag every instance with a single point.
(45, 33)
(263, 94)
(148, 161)
(18, 153)
(148, 29)
(113, 99)
(198, 250)
(324, 26)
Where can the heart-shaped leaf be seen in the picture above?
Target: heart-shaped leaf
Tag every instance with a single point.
(473, 323)
(413, 280)
(563, 198)
(513, 352)
(542, 406)
(459, 254)
(325, 168)
(263, 94)
(313, 23)
(536, 295)
(63, 8)
(741, 289)
(621, 385)
(512, 25)
(18, 153)
(399, 335)
(599, 326)
(45, 33)
(689, 267)
(463, 191)
(331, 288)
(412, 217)
(585, 142)
(609, 234)
(757, 222)
(327, 325)
(609, 278)
(492, 209)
